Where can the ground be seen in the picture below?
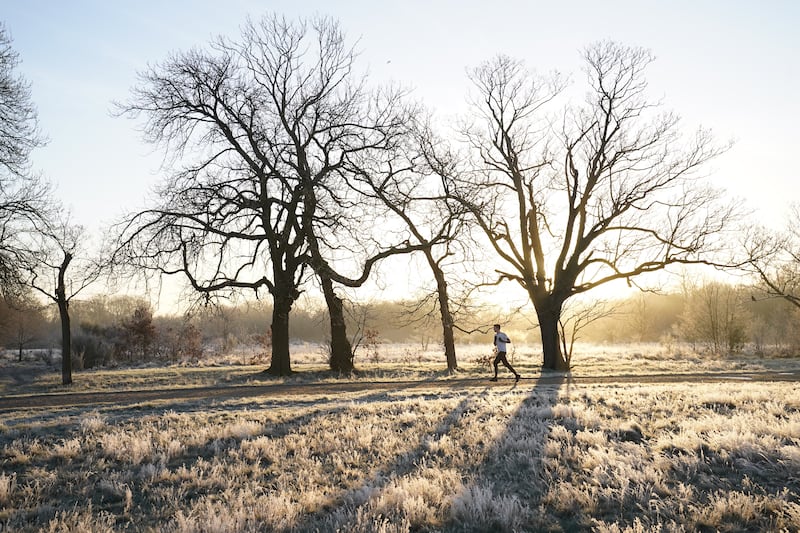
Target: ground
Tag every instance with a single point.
(631, 440)
(22, 378)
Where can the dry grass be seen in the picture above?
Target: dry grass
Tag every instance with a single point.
(536, 457)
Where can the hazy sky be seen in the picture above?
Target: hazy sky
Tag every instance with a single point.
(728, 65)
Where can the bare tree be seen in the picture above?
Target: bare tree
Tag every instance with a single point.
(23, 196)
(22, 320)
(342, 226)
(419, 198)
(774, 259)
(263, 128)
(613, 193)
(575, 318)
(60, 272)
(715, 315)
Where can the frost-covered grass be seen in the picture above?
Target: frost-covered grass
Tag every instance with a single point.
(531, 457)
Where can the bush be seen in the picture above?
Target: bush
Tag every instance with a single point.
(90, 350)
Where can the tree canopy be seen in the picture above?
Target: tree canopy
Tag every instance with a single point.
(22, 194)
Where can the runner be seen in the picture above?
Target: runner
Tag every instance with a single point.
(500, 341)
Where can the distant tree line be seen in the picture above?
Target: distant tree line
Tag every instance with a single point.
(714, 317)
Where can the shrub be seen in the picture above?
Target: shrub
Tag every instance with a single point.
(90, 350)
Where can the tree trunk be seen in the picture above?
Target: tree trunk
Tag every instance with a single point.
(448, 337)
(280, 364)
(449, 342)
(341, 350)
(548, 315)
(63, 312)
(66, 341)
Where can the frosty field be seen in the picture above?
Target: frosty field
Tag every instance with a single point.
(452, 453)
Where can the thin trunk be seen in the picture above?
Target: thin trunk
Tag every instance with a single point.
(280, 364)
(66, 341)
(63, 312)
(449, 341)
(448, 338)
(341, 349)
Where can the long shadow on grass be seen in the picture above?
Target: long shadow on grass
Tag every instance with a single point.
(52, 432)
(64, 421)
(341, 516)
(502, 493)
(504, 477)
(273, 430)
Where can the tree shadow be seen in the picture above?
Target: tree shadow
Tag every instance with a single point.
(341, 516)
(510, 482)
(52, 428)
(512, 462)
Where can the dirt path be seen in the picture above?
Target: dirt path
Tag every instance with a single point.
(308, 389)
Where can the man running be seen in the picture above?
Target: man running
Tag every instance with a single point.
(500, 341)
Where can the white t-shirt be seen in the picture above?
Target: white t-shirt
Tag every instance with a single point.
(500, 340)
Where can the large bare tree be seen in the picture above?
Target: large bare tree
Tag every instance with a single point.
(261, 131)
(343, 225)
(611, 191)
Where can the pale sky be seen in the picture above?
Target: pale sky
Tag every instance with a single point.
(731, 66)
